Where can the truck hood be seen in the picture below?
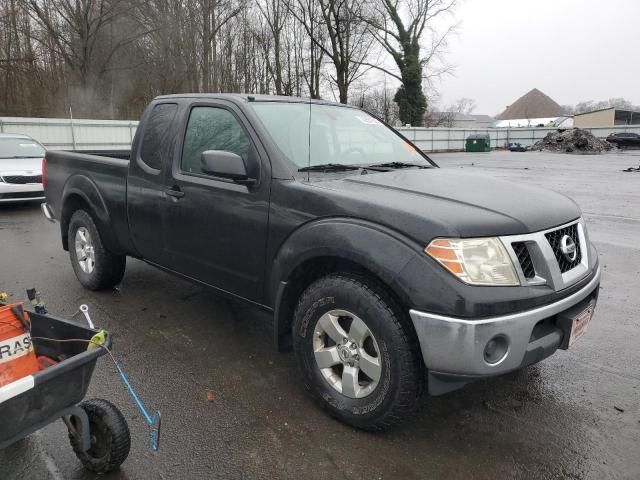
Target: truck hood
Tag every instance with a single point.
(462, 204)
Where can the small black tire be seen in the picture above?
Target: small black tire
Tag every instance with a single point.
(402, 380)
(110, 437)
(107, 269)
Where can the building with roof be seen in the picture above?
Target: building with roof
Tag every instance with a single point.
(533, 109)
(533, 104)
(458, 120)
(607, 117)
(554, 122)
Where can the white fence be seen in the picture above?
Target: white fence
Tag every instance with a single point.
(66, 134)
(448, 139)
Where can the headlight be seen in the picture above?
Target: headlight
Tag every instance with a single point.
(476, 261)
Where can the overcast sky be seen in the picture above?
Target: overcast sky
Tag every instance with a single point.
(572, 50)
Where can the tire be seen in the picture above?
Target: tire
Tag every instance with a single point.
(353, 301)
(101, 269)
(110, 438)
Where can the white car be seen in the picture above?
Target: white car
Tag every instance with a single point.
(20, 168)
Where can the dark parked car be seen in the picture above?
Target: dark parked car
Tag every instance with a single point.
(624, 139)
(386, 274)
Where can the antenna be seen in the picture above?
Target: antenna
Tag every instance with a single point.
(309, 143)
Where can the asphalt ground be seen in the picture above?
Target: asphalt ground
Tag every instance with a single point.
(574, 416)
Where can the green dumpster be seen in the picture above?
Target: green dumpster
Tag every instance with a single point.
(478, 143)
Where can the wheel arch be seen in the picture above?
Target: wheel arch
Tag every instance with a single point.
(332, 246)
(81, 193)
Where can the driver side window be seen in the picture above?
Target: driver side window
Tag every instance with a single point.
(212, 128)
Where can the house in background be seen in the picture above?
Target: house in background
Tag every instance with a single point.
(458, 120)
(554, 122)
(607, 117)
(534, 109)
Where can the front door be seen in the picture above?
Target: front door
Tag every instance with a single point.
(216, 229)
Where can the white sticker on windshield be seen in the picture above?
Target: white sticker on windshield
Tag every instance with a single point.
(368, 120)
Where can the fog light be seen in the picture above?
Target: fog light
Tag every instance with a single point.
(496, 349)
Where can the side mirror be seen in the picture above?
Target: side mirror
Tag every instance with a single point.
(221, 163)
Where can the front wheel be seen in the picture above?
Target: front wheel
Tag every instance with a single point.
(110, 438)
(358, 356)
(95, 267)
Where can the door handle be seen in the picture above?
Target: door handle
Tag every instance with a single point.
(174, 192)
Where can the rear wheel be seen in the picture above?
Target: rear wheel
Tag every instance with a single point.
(358, 356)
(110, 437)
(95, 267)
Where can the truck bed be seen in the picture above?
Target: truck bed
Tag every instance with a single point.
(99, 179)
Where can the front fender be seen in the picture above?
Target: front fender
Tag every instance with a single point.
(377, 249)
(382, 251)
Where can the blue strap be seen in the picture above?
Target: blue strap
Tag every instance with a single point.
(153, 420)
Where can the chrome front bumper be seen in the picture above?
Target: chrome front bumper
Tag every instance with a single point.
(455, 346)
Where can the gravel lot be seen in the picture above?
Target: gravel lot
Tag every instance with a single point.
(575, 416)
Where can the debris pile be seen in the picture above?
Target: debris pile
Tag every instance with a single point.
(574, 140)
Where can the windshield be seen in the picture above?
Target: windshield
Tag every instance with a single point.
(339, 135)
(20, 148)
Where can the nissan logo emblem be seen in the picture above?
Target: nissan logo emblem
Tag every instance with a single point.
(568, 248)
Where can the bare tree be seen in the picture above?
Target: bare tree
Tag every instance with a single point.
(215, 15)
(464, 106)
(295, 57)
(568, 109)
(311, 45)
(275, 14)
(108, 58)
(450, 114)
(378, 102)
(349, 39)
(590, 105)
(400, 27)
(16, 57)
(82, 33)
(346, 41)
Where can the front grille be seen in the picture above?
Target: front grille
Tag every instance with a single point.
(22, 179)
(555, 238)
(522, 252)
(17, 195)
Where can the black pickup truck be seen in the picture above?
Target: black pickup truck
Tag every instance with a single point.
(387, 275)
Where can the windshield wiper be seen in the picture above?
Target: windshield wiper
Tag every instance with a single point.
(396, 165)
(328, 167)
